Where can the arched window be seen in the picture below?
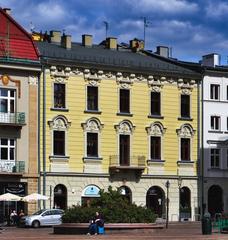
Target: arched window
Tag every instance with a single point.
(185, 203)
(155, 199)
(126, 193)
(90, 192)
(92, 130)
(124, 130)
(185, 134)
(60, 197)
(215, 200)
(155, 133)
(59, 127)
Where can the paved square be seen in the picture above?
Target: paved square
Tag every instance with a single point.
(175, 231)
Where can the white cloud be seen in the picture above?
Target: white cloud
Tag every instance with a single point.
(217, 9)
(167, 6)
(50, 10)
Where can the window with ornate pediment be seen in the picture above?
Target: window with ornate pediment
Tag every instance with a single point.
(124, 130)
(59, 127)
(155, 134)
(186, 134)
(92, 130)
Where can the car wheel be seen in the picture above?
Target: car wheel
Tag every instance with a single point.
(36, 224)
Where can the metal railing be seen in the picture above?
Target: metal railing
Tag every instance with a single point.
(12, 118)
(132, 161)
(12, 166)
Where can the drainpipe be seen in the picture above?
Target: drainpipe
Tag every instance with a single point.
(44, 134)
(38, 164)
(202, 149)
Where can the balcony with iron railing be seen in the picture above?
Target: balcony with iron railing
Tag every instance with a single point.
(9, 166)
(12, 119)
(132, 163)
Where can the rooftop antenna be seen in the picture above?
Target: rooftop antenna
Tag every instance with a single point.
(170, 52)
(32, 27)
(146, 24)
(106, 28)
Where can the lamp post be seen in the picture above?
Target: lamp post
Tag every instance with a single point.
(167, 185)
(179, 188)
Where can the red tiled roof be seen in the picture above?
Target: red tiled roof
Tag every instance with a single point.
(15, 42)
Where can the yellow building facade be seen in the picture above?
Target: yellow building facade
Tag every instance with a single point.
(120, 117)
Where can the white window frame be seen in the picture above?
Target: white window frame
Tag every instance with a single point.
(8, 146)
(92, 125)
(215, 156)
(8, 98)
(186, 131)
(213, 122)
(59, 123)
(214, 91)
(155, 130)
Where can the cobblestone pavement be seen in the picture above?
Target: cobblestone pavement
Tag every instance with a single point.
(175, 231)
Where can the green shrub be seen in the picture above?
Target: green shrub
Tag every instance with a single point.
(114, 207)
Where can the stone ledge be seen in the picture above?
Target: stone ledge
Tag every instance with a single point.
(82, 228)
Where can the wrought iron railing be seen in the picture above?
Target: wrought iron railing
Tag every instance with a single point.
(12, 166)
(133, 161)
(12, 118)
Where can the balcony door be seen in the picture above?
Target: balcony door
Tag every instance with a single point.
(7, 105)
(7, 100)
(124, 148)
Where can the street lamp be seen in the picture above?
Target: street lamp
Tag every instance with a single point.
(167, 185)
(179, 181)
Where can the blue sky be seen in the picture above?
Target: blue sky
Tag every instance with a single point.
(191, 28)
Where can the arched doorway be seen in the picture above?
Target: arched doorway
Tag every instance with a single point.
(185, 203)
(155, 199)
(215, 200)
(60, 197)
(126, 193)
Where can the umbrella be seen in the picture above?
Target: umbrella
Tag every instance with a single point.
(9, 197)
(34, 197)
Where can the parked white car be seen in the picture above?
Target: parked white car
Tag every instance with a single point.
(45, 217)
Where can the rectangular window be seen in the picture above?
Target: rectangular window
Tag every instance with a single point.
(155, 105)
(124, 148)
(185, 149)
(214, 91)
(227, 123)
(215, 123)
(124, 101)
(215, 158)
(155, 148)
(59, 95)
(92, 144)
(59, 143)
(7, 149)
(185, 106)
(92, 98)
(7, 100)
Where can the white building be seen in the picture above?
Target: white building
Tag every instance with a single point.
(214, 135)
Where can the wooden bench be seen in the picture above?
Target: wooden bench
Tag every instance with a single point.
(82, 228)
